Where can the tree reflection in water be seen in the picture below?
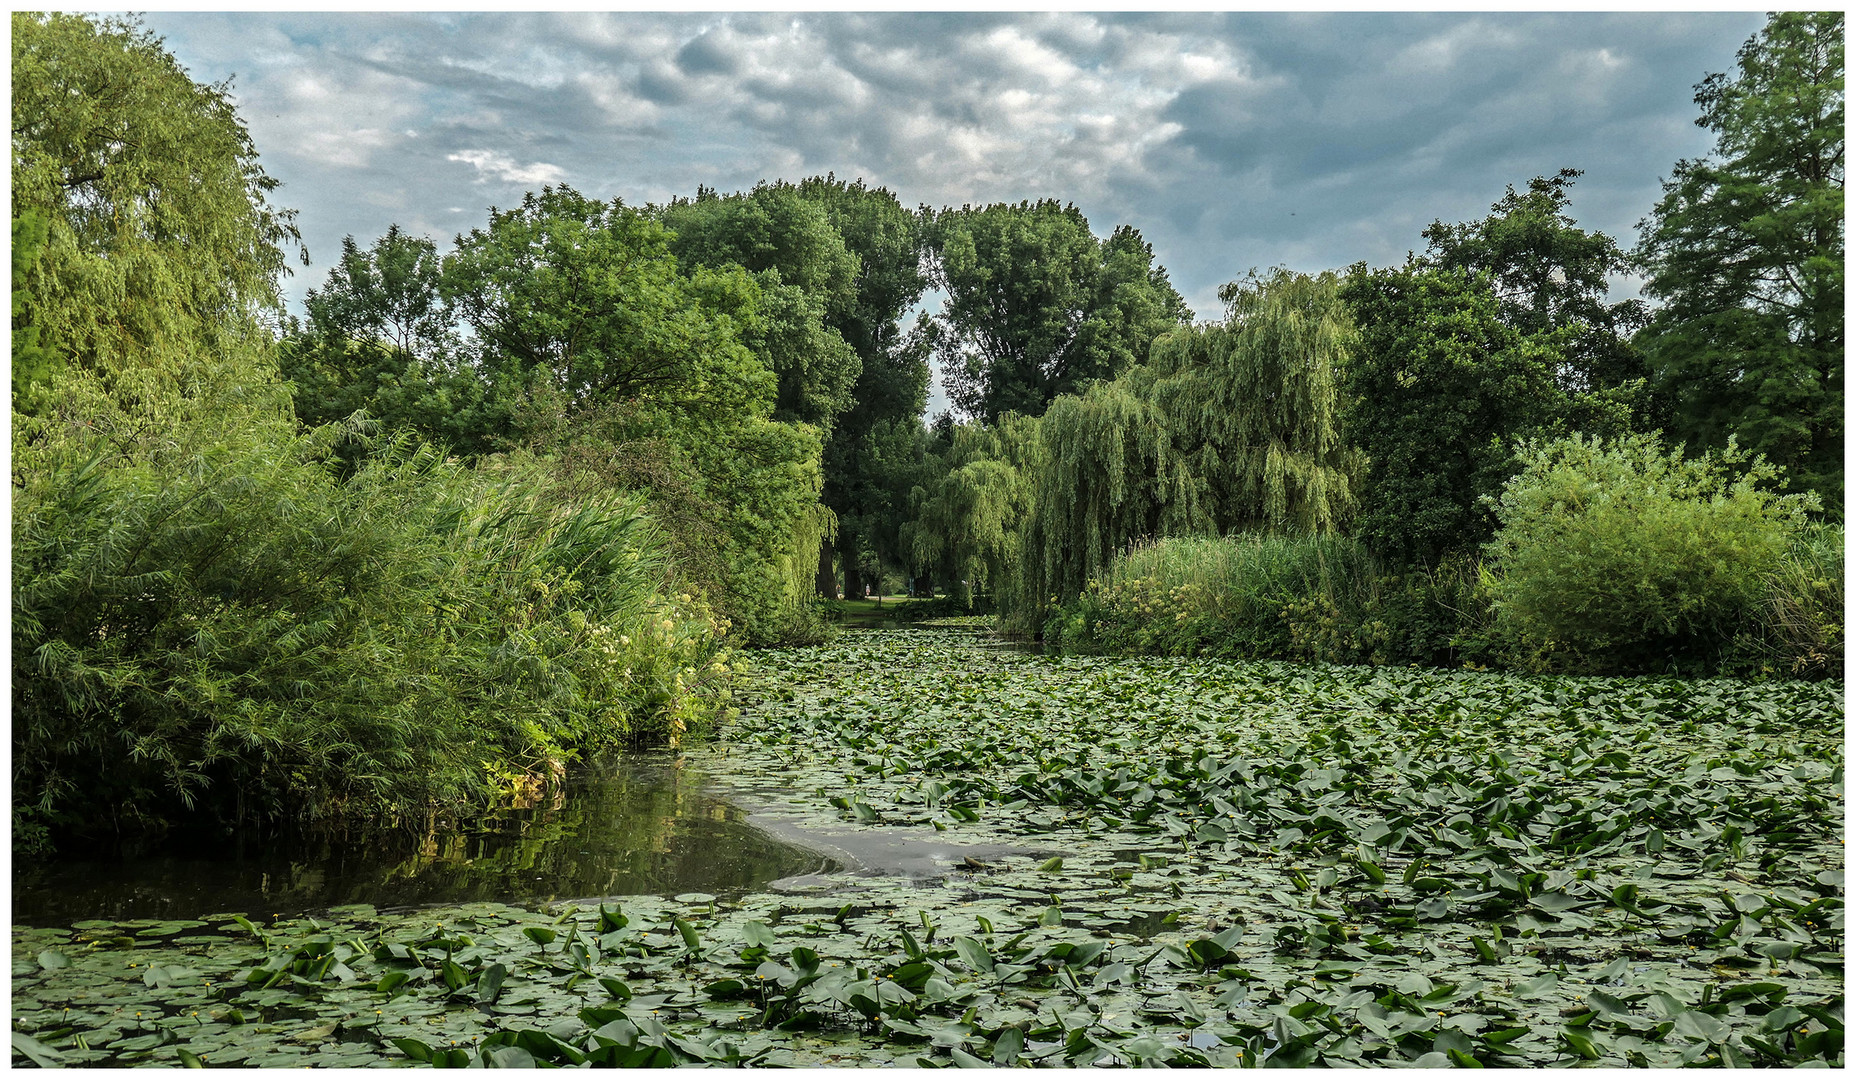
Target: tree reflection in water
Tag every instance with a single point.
(640, 824)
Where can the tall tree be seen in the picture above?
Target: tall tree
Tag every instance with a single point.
(807, 281)
(157, 278)
(1550, 276)
(872, 458)
(1437, 390)
(1228, 427)
(1745, 250)
(1037, 306)
(379, 338)
(586, 299)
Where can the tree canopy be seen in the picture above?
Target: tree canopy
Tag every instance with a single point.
(1037, 306)
(1228, 427)
(161, 239)
(587, 297)
(1550, 276)
(1745, 251)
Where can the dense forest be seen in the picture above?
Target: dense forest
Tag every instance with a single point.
(482, 509)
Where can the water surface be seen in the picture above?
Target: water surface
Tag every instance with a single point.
(643, 824)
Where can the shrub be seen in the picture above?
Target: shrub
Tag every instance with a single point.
(1804, 605)
(1274, 597)
(236, 633)
(1623, 555)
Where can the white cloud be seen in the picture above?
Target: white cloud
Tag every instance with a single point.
(491, 165)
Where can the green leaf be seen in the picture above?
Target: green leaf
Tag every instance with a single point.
(44, 1056)
(1581, 1043)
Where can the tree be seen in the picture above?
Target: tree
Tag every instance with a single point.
(1437, 390)
(1230, 427)
(162, 246)
(586, 298)
(379, 338)
(872, 457)
(807, 282)
(1551, 277)
(1745, 250)
(969, 506)
(1037, 306)
(33, 362)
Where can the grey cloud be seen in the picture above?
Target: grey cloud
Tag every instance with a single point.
(1231, 140)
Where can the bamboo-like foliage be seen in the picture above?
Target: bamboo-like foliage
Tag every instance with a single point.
(243, 634)
(1228, 427)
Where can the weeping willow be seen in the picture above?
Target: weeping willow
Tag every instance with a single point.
(1229, 427)
(967, 519)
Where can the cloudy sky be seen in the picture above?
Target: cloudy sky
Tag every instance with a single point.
(1230, 140)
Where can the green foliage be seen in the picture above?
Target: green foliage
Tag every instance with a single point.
(1624, 556)
(872, 456)
(33, 358)
(807, 282)
(1321, 598)
(1436, 389)
(1745, 250)
(585, 298)
(1804, 612)
(969, 512)
(235, 633)
(162, 251)
(1550, 276)
(1037, 306)
(1227, 427)
(379, 339)
(734, 496)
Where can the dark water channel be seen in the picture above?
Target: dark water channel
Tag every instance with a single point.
(641, 825)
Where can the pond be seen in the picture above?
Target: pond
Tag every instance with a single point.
(947, 852)
(644, 824)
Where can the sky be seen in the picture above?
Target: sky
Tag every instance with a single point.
(1231, 140)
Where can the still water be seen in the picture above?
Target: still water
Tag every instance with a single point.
(640, 825)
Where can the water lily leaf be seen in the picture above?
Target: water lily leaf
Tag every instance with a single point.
(162, 976)
(1051, 865)
(1539, 986)
(974, 954)
(1581, 1043)
(52, 960)
(1700, 1025)
(43, 1056)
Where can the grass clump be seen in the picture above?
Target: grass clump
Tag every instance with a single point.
(1271, 597)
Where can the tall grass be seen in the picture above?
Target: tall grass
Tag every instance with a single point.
(1803, 615)
(235, 632)
(1328, 599)
(1270, 596)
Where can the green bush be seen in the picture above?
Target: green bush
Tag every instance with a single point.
(1804, 605)
(1275, 597)
(231, 631)
(1626, 556)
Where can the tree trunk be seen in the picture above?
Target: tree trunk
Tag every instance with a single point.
(847, 560)
(827, 580)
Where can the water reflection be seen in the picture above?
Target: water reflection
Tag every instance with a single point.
(640, 825)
